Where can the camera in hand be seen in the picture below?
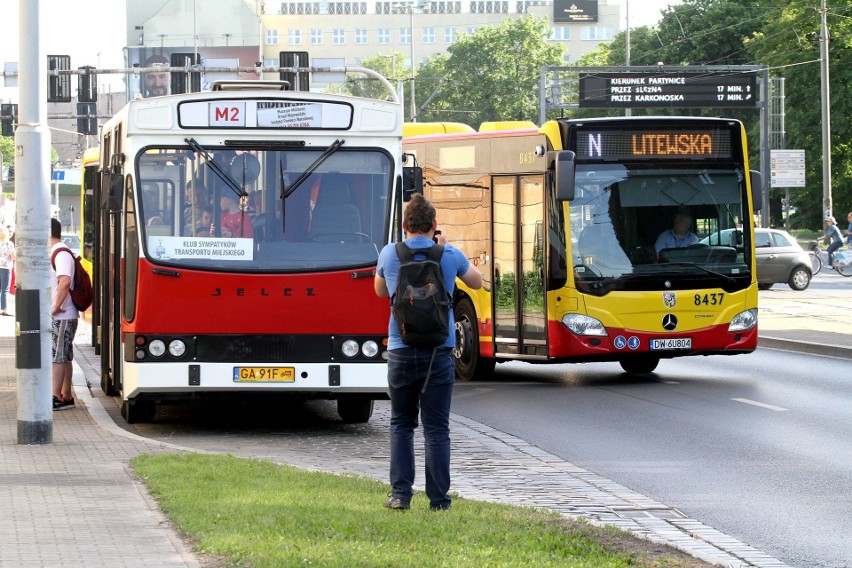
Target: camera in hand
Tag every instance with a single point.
(435, 236)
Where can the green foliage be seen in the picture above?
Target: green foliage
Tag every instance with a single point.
(7, 149)
(256, 513)
(492, 74)
(391, 66)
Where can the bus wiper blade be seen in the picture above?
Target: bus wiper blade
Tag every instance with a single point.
(217, 169)
(724, 277)
(287, 191)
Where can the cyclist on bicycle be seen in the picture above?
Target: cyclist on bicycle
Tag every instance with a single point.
(833, 237)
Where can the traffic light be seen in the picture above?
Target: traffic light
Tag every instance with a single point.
(289, 59)
(9, 118)
(58, 86)
(87, 118)
(179, 79)
(87, 85)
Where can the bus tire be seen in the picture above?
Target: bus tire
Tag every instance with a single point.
(355, 409)
(641, 365)
(470, 365)
(138, 412)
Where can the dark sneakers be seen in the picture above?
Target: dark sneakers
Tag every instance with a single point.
(62, 404)
(396, 503)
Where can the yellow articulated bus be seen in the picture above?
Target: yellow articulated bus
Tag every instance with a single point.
(573, 227)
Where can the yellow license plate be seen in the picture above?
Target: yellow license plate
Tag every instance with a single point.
(264, 374)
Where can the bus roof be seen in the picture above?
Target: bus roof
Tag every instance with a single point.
(91, 156)
(424, 128)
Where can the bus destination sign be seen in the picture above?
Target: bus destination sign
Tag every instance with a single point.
(668, 90)
(653, 144)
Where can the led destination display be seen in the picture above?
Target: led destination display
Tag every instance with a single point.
(654, 144)
(681, 90)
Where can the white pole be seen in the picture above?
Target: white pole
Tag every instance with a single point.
(826, 114)
(32, 297)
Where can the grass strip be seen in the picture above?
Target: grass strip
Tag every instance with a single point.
(255, 513)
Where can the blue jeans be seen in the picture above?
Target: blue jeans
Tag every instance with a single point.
(5, 281)
(831, 248)
(407, 369)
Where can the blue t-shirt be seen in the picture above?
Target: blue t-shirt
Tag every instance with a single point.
(453, 263)
(833, 233)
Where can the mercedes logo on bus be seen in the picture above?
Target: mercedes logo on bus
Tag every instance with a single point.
(669, 322)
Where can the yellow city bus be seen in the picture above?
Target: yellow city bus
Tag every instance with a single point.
(563, 221)
(89, 166)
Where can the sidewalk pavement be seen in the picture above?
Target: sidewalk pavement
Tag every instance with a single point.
(76, 502)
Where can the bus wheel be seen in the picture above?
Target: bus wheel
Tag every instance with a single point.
(640, 365)
(355, 409)
(470, 365)
(138, 411)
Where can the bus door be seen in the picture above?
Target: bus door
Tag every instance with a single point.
(519, 310)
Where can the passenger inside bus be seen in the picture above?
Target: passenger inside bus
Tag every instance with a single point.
(235, 220)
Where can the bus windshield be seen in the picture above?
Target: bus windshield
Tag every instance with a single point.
(218, 208)
(632, 224)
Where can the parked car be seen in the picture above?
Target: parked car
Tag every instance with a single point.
(780, 259)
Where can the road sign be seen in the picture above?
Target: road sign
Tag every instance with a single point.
(668, 90)
(787, 168)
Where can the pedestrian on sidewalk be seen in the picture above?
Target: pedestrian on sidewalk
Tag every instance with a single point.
(420, 379)
(849, 229)
(833, 237)
(7, 263)
(65, 315)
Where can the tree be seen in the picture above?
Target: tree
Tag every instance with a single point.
(389, 66)
(490, 75)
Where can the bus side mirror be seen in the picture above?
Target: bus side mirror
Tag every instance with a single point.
(561, 163)
(412, 182)
(756, 181)
(112, 189)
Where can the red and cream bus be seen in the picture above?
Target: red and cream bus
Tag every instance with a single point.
(238, 232)
(563, 221)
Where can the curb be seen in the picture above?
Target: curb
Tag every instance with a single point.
(825, 349)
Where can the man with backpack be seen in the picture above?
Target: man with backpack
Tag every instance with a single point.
(65, 315)
(420, 368)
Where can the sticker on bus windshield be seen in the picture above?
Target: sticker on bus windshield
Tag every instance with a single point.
(175, 248)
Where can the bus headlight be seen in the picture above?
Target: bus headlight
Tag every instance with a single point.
(350, 348)
(177, 348)
(370, 348)
(157, 348)
(743, 321)
(583, 325)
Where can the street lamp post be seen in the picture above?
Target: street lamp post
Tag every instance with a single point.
(411, 39)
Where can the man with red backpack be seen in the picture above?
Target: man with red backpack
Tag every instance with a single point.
(64, 315)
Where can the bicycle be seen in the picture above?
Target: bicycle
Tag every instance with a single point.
(816, 258)
(842, 260)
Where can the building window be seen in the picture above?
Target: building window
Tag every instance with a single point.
(523, 6)
(347, 7)
(271, 63)
(428, 35)
(338, 36)
(449, 35)
(405, 36)
(294, 37)
(316, 36)
(299, 8)
(271, 37)
(561, 33)
(384, 36)
(489, 7)
(471, 30)
(361, 36)
(386, 7)
(566, 57)
(596, 33)
(446, 7)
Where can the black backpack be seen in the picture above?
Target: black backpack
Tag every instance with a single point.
(421, 305)
(81, 292)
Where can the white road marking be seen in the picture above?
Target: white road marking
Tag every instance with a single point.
(760, 404)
